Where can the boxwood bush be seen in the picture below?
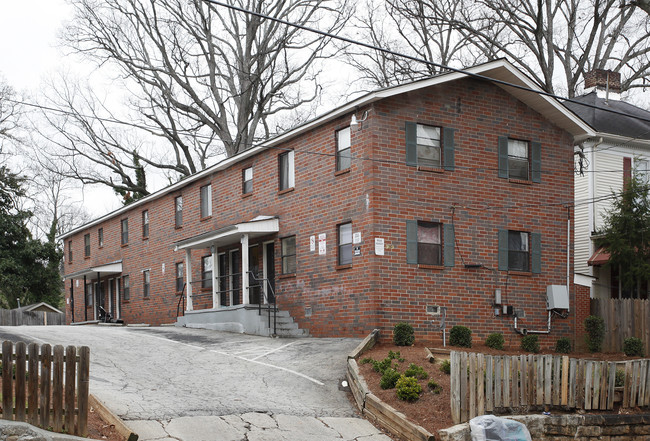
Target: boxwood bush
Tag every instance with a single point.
(563, 345)
(495, 341)
(633, 347)
(403, 334)
(595, 327)
(460, 336)
(389, 379)
(530, 343)
(408, 389)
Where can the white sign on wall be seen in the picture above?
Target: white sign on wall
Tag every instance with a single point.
(379, 246)
(356, 238)
(322, 244)
(312, 243)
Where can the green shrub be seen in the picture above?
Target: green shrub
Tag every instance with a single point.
(366, 360)
(389, 379)
(403, 334)
(563, 345)
(434, 387)
(619, 380)
(395, 356)
(408, 389)
(633, 347)
(460, 336)
(595, 327)
(445, 367)
(381, 366)
(416, 371)
(495, 341)
(530, 343)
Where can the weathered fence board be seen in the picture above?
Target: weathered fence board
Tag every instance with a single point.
(14, 317)
(486, 383)
(46, 399)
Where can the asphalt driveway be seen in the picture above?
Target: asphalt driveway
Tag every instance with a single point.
(190, 384)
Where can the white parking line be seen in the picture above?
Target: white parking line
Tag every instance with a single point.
(313, 380)
(272, 351)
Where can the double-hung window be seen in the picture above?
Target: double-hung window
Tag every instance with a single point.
(345, 243)
(69, 251)
(87, 245)
(178, 211)
(125, 231)
(343, 149)
(286, 170)
(289, 255)
(146, 283)
(180, 269)
(429, 146)
(145, 224)
(206, 201)
(520, 251)
(126, 288)
(520, 160)
(100, 237)
(247, 180)
(206, 271)
(430, 243)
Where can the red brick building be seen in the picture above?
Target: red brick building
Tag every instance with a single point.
(443, 200)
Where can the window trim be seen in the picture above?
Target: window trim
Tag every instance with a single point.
(205, 282)
(291, 171)
(446, 141)
(288, 256)
(124, 229)
(87, 245)
(534, 160)
(339, 245)
(146, 284)
(245, 181)
(180, 265)
(339, 152)
(145, 224)
(534, 252)
(205, 201)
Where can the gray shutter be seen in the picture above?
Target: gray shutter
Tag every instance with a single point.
(503, 250)
(411, 143)
(536, 253)
(449, 245)
(411, 241)
(503, 157)
(448, 148)
(536, 155)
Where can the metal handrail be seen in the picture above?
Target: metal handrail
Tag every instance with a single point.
(266, 298)
(182, 298)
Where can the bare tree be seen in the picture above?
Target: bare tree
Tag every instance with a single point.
(553, 41)
(10, 113)
(206, 79)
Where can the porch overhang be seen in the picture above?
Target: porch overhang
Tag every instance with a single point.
(599, 258)
(105, 269)
(257, 227)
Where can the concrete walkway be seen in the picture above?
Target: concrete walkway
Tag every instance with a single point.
(192, 384)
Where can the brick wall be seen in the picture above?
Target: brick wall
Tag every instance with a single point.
(377, 195)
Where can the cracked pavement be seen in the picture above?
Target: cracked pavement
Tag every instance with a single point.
(170, 383)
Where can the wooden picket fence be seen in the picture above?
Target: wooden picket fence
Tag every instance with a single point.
(51, 397)
(15, 317)
(483, 384)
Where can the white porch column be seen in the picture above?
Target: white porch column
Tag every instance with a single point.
(215, 273)
(244, 269)
(188, 273)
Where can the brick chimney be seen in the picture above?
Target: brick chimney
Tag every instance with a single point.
(603, 80)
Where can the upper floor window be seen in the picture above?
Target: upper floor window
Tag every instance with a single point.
(87, 245)
(69, 251)
(178, 209)
(429, 146)
(289, 255)
(206, 200)
(286, 170)
(520, 160)
(125, 231)
(180, 275)
(642, 170)
(247, 180)
(206, 271)
(145, 224)
(345, 243)
(146, 283)
(100, 237)
(520, 251)
(343, 149)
